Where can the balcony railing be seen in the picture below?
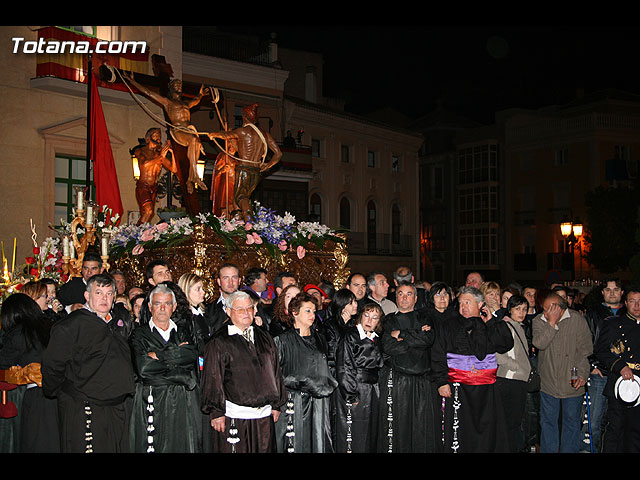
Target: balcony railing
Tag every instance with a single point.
(222, 45)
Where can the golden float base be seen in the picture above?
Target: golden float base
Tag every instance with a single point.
(204, 252)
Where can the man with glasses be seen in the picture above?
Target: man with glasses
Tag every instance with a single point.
(242, 385)
(166, 416)
(595, 315)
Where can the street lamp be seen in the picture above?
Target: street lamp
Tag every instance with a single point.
(572, 232)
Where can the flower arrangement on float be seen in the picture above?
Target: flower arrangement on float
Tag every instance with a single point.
(45, 262)
(265, 229)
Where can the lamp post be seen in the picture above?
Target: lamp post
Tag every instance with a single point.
(572, 232)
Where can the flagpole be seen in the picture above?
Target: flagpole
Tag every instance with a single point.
(89, 139)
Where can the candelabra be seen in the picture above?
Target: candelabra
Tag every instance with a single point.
(83, 235)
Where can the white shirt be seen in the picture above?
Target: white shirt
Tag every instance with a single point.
(363, 334)
(165, 333)
(233, 330)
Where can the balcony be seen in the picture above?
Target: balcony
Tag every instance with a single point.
(214, 43)
(66, 73)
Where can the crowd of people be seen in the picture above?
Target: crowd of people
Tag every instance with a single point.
(379, 365)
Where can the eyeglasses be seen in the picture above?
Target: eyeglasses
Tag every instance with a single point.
(243, 309)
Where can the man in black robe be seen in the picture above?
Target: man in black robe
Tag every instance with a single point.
(87, 366)
(242, 384)
(166, 417)
(464, 367)
(407, 421)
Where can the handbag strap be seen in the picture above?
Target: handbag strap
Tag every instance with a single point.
(518, 335)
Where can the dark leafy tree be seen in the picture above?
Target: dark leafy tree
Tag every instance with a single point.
(611, 227)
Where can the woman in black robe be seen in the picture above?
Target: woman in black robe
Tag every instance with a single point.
(281, 318)
(358, 364)
(464, 370)
(24, 336)
(440, 303)
(304, 426)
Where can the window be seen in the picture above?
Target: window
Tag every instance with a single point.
(478, 246)
(396, 224)
(395, 163)
(478, 164)
(237, 116)
(371, 159)
(315, 208)
(371, 227)
(478, 205)
(85, 30)
(436, 183)
(561, 157)
(69, 171)
(344, 154)
(315, 148)
(345, 213)
(621, 152)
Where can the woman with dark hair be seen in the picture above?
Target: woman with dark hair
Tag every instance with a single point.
(281, 319)
(340, 316)
(38, 292)
(304, 426)
(358, 363)
(514, 367)
(55, 308)
(23, 338)
(439, 303)
(513, 372)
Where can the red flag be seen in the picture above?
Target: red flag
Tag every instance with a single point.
(104, 168)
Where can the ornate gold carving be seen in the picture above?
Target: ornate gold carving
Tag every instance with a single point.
(204, 252)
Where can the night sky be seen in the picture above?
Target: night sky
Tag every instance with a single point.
(474, 70)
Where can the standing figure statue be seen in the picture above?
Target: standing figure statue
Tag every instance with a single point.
(152, 157)
(179, 112)
(253, 145)
(223, 181)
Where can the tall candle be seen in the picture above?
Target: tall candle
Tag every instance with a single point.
(80, 199)
(89, 220)
(65, 246)
(105, 245)
(13, 265)
(72, 250)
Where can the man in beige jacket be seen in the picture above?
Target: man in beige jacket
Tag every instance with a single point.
(564, 343)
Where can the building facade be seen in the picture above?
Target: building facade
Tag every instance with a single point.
(341, 170)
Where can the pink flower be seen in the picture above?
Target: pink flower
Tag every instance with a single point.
(227, 225)
(282, 245)
(248, 226)
(301, 252)
(256, 238)
(250, 239)
(147, 235)
(162, 227)
(137, 250)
